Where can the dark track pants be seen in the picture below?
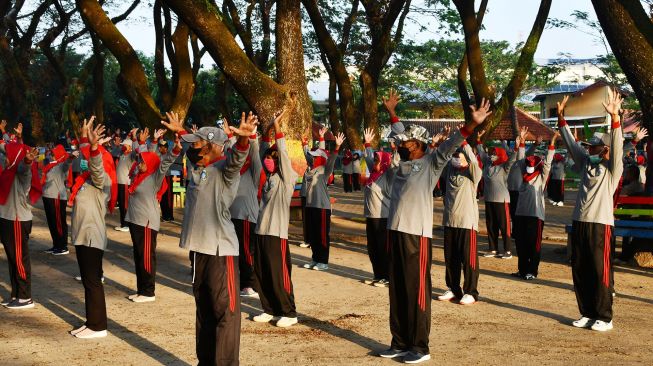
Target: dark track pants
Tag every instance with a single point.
(497, 219)
(217, 319)
(356, 181)
(15, 237)
(246, 233)
(556, 190)
(123, 202)
(347, 182)
(460, 253)
(514, 198)
(90, 268)
(144, 240)
(319, 222)
(304, 221)
(591, 268)
(377, 246)
(410, 291)
(273, 270)
(55, 214)
(167, 201)
(528, 240)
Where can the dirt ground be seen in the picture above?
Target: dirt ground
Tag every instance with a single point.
(341, 320)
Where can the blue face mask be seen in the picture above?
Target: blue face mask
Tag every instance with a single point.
(595, 159)
(83, 165)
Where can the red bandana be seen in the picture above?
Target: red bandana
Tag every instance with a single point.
(152, 163)
(109, 168)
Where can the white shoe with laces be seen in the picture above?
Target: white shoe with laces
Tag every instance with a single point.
(132, 296)
(447, 296)
(87, 333)
(141, 298)
(75, 331)
(467, 300)
(285, 322)
(263, 318)
(602, 326)
(583, 322)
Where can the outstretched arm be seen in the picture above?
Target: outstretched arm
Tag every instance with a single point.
(577, 153)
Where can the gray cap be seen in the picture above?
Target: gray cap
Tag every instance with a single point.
(213, 135)
(598, 139)
(413, 132)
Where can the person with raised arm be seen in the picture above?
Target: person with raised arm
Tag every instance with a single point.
(318, 202)
(410, 222)
(347, 171)
(273, 262)
(376, 195)
(93, 193)
(530, 212)
(600, 168)
(19, 189)
(146, 188)
(55, 195)
(161, 146)
(496, 166)
(460, 221)
(125, 161)
(207, 231)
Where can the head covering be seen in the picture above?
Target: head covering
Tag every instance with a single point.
(558, 157)
(385, 159)
(641, 160)
(213, 135)
(15, 153)
(501, 154)
(532, 161)
(109, 168)
(152, 163)
(59, 155)
(598, 139)
(127, 142)
(320, 157)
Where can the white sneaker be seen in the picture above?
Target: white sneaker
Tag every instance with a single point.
(132, 296)
(249, 292)
(79, 278)
(321, 267)
(263, 318)
(602, 326)
(467, 300)
(75, 331)
(552, 202)
(122, 228)
(141, 298)
(583, 322)
(304, 245)
(369, 282)
(446, 296)
(382, 283)
(309, 265)
(285, 322)
(490, 254)
(87, 333)
(506, 255)
(560, 204)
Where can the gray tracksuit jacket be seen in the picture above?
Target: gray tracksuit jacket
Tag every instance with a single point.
(531, 194)
(598, 182)
(55, 181)
(17, 206)
(207, 226)
(515, 174)
(274, 214)
(245, 205)
(377, 195)
(495, 177)
(460, 206)
(317, 193)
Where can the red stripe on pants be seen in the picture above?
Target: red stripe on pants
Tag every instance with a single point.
(423, 259)
(18, 242)
(284, 266)
(507, 208)
(538, 239)
(248, 253)
(606, 256)
(231, 283)
(472, 249)
(146, 250)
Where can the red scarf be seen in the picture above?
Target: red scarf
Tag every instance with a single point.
(385, 159)
(532, 161)
(248, 163)
(347, 159)
(16, 152)
(152, 163)
(60, 155)
(502, 156)
(109, 168)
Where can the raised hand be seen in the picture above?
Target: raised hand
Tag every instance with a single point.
(19, 129)
(73, 155)
(144, 135)
(194, 128)
(95, 135)
(480, 134)
(523, 132)
(247, 126)
(391, 102)
(225, 125)
(173, 124)
(479, 114)
(3, 125)
(132, 133)
(158, 133)
(640, 134)
(323, 131)
(103, 141)
(368, 135)
(31, 155)
(561, 106)
(87, 125)
(613, 105)
(340, 138)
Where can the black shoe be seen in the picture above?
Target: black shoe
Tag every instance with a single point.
(59, 251)
(416, 357)
(392, 353)
(49, 251)
(517, 274)
(17, 304)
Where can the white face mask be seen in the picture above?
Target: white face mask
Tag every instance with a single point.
(493, 158)
(456, 162)
(530, 169)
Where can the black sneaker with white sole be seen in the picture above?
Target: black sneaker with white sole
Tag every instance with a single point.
(49, 251)
(7, 301)
(416, 357)
(59, 251)
(392, 353)
(17, 304)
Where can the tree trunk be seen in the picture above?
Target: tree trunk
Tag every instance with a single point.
(290, 64)
(629, 31)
